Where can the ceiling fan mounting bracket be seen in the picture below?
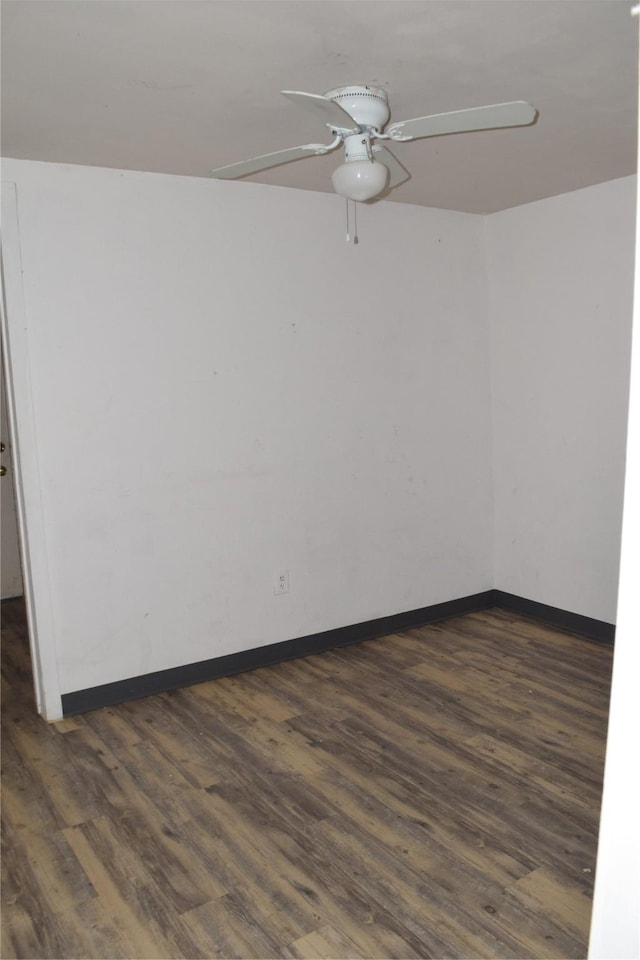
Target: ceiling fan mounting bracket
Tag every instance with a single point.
(369, 106)
(319, 148)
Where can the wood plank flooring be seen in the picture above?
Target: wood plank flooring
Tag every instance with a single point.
(433, 794)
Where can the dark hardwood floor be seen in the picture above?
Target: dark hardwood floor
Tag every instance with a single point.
(433, 794)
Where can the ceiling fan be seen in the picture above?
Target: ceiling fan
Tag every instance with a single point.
(357, 115)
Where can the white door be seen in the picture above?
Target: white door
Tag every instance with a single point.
(10, 568)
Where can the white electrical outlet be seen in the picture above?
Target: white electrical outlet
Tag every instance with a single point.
(281, 583)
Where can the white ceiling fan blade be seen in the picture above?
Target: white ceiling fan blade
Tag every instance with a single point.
(397, 173)
(327, 110)
(242, 169)
(514, 114)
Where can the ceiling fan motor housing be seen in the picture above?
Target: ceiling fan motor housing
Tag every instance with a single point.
(368, 106)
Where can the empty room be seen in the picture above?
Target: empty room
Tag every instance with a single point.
(319, 592)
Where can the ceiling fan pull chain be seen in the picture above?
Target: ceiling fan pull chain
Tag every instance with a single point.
(347, 207)
(355, 223)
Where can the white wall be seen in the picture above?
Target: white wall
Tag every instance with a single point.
(218, 387)
(615, 922)
(221, 388)
(561, 288)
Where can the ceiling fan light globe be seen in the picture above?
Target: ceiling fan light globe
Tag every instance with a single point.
(360, 179)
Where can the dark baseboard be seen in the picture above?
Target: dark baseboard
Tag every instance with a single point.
(108, 694)
(563, 619)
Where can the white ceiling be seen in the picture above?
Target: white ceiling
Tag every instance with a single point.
(182, 86)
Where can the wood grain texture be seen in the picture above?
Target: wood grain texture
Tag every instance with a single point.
(429, 794)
